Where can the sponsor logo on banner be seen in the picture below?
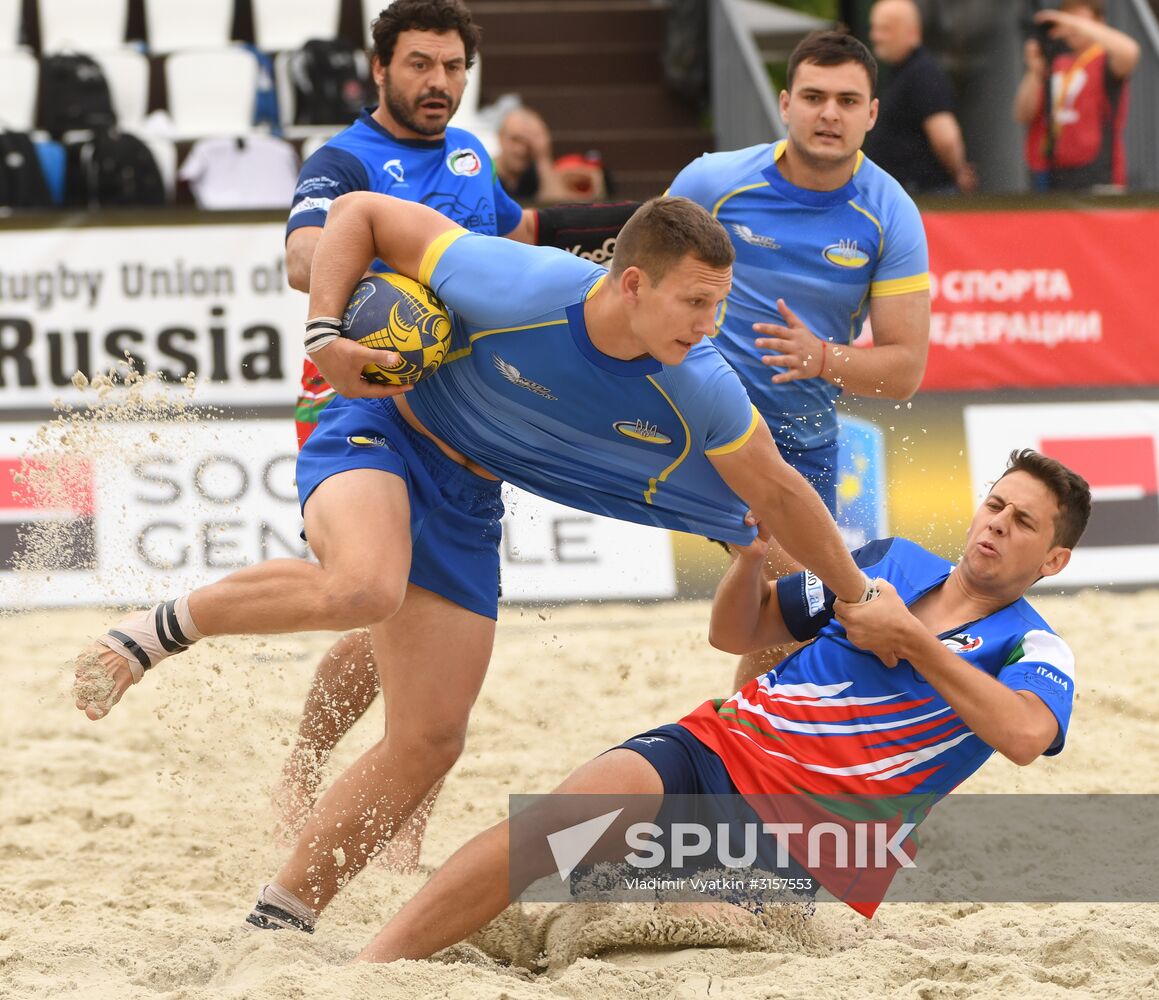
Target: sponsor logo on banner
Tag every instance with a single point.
(209, 301)
(155, 509)
(1047, 299)
(46, 515)
(1115, 447)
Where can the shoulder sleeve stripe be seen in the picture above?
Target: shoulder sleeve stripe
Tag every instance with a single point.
(1039, 646)
(900, 286)
(739, 190)
(434, 253)
(726, 449)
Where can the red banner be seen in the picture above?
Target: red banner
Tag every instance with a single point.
(1042, 299)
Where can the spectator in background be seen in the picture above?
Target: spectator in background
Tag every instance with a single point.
(528, 171)
(1075, 140)
(917, 138)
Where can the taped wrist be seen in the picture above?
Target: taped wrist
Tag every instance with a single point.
(320, 331)
(588, 231)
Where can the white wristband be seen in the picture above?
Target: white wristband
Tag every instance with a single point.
(870, 591)
(320, 331)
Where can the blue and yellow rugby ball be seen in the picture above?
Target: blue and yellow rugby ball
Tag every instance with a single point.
(395, 313)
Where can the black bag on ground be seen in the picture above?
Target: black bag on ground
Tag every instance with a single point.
(74, 94)
(330, 82)
(113, 170)
(22, 182)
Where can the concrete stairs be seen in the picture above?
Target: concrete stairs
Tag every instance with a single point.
(592, 69)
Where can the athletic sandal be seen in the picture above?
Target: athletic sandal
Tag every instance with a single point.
(145, 638)
(279, 910)
(141, 641)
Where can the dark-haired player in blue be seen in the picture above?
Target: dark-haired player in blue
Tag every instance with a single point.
(591, 387)
(823, 238)
(423, 50)
(966, 668)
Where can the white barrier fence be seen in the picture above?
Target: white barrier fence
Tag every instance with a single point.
(152, 509)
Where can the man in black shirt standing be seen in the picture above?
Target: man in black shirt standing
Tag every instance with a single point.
(917, 138)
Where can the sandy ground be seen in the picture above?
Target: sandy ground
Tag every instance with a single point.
(132, 848)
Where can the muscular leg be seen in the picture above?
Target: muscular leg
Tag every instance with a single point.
(358, 523)
(778, 563)
(344, 686)
(431, 657)
(472, 887)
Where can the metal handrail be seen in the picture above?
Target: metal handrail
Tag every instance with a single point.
(744, 107)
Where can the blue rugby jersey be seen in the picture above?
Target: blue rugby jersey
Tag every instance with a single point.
(454, 175)
(824, 252)
(833, 719)
(524, 393)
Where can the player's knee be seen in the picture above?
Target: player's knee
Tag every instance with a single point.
(437, 749)
(356, 603)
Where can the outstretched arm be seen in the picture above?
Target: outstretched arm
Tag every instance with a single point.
(790, 508)
(1015, 723)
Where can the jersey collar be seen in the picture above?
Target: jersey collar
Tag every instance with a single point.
(368, 120)
(637, 367)
(806, 196)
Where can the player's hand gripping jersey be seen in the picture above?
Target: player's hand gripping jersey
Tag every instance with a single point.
(824, 252)
(524, 393)
(833, 719)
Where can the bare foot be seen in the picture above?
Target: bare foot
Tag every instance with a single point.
(102, 678)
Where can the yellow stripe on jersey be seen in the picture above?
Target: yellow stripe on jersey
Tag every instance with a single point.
(462, 352)
(728, 449)
(656, 481)
(434, 253)
(901, 286)
(596, 286)
(734, 193)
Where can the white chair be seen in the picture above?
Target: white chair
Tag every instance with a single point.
(82, 25)
(211, 91)
(9, 25)
(20, 73)
(191, 24)
(127, 72)
(280, 25)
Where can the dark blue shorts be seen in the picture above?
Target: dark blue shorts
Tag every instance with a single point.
(455, 515)
(685, 765)
(688, 768)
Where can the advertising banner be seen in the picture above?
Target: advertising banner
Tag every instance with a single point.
(131, 513)
(1040, 299)
(206, 300)
(1115, 447)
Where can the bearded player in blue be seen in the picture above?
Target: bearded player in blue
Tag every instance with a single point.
(591, 387)
(823, 238)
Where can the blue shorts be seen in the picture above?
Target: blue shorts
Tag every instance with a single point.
(819, 467)
(455, 515)
(688, 768)
(685, 765)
